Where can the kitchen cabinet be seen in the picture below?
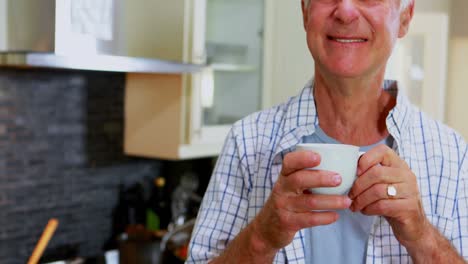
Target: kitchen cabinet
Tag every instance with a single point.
(419, 62)
(180, 116)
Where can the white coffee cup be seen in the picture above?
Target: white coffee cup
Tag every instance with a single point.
(339, 158)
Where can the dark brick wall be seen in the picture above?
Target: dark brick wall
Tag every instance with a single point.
(61, 135)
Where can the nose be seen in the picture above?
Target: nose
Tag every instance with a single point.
(346, 11)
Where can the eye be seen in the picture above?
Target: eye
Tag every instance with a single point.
(373, 2)
(324, 1)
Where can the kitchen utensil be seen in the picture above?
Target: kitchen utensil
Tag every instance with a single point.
(43, 241)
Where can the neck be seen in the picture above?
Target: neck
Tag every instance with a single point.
(353, 111)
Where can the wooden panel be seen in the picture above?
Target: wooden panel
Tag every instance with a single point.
(153, 115)
(458, 18)
(159, 30)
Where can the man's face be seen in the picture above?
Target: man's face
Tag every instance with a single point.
(353, 38)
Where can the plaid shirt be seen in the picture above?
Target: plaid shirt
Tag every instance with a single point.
(251, 160)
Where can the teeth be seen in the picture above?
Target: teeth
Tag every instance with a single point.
(350, 40)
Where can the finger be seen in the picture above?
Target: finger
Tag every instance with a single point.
(302, 180)
(382, 155)
(379, 192)
(299, 160)
(389, 208)
(379, 174)
(310, 219)
(309, 202)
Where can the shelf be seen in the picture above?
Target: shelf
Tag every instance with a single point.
(95, 63)
(233, 67)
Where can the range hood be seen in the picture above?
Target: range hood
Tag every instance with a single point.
(104, 35)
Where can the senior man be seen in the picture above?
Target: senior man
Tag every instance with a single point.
(410, 200)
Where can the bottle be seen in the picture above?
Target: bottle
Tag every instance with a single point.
(182, 196)
(158, 214)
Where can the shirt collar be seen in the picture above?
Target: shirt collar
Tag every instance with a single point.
(301, 116)
(399, 118)
(301, 112)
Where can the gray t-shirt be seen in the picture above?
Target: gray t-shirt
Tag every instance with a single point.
(344, 241)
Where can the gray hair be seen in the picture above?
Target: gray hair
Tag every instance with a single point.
(403, 3)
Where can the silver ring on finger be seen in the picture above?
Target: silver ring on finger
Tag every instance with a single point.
(391, 191)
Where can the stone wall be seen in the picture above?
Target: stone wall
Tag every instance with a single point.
(61, 155)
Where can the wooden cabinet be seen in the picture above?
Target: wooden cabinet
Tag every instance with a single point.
(189, 115)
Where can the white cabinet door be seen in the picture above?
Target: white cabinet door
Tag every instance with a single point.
(419, 62)
(288, 62)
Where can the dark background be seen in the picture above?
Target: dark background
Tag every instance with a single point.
(61, 155)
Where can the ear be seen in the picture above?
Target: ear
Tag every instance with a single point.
(304, 13)
(405, 19)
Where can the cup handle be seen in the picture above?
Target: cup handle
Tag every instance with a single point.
(360, 154)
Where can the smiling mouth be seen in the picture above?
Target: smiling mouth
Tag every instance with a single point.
(348, 40)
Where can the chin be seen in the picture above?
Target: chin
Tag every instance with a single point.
(347, 72)
(344, 69)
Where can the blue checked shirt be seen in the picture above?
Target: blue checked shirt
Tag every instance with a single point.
(250, 164)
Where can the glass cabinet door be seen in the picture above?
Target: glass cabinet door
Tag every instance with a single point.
(231, 87)
(228, 37)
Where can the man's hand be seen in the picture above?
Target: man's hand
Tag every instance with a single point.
(378, 169)
(290, 206)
